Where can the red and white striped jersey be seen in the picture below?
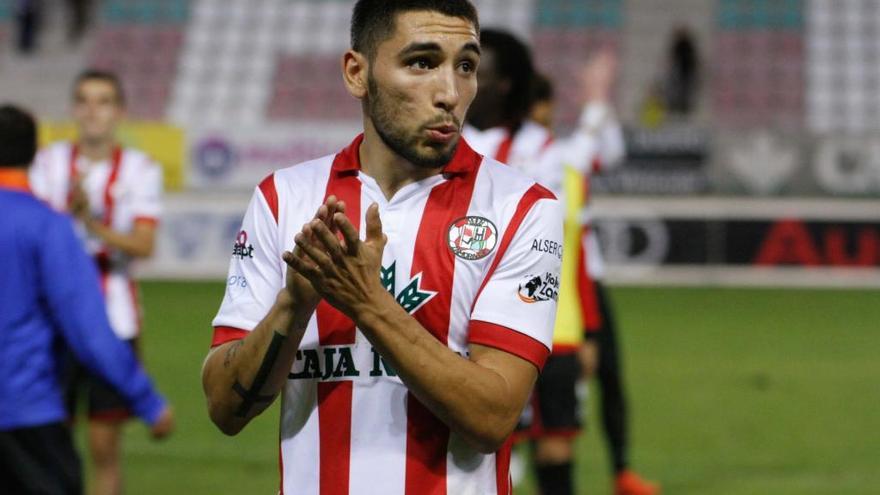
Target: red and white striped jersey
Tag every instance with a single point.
(460, 259)
(125, 189)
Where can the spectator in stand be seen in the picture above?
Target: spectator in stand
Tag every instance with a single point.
(30, 17)
(27, 13)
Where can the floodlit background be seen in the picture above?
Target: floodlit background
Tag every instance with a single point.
(742, 233)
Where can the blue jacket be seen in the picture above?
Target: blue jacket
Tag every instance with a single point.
(50, 298)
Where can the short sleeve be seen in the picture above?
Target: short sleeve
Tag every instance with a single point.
(515, 309)
(255, 273)
(147, 197)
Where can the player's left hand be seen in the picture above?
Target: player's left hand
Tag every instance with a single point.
(344, 271)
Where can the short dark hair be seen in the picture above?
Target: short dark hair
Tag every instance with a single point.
(101, 75)
(373, 21)
(18, 137)
(513, 61)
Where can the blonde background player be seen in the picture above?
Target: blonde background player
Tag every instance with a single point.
(115, 194)
(407, 349)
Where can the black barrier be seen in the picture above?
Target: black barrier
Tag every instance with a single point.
(782, 242)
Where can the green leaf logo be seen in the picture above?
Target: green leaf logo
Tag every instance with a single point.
(412, 297)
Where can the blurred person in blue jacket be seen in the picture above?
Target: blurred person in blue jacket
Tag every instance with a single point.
(50, 300)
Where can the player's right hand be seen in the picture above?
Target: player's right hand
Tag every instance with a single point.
(164, 425)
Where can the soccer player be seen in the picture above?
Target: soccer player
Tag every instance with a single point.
(50, 295)
(391, 291)
(114, 192)
(600, 330)
(501, 127)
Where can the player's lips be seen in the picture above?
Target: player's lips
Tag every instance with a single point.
(442, 133)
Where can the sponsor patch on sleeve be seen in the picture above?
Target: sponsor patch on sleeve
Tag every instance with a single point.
(547, 246)
(539, 287)
(241, 249)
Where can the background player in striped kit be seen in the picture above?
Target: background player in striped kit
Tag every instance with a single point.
(501, 127)
(435, 291)
(115, 195)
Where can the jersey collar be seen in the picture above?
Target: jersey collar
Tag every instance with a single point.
(464, 161)
(15, 179)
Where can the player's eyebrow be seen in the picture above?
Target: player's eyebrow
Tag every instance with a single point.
(472, 47)
(417, 47)
(430, 46)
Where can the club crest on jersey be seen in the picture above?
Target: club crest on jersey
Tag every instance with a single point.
(472, 238)
(537, 288)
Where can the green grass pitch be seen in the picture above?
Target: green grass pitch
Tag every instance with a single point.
(732, 392)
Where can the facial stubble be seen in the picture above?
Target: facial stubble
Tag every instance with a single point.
(380, 107)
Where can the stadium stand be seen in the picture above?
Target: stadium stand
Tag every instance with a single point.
(776, 64)
(300, 90)
(563, 33)
(141, 41)
(5, 20)
(843, 84)
(758, 63)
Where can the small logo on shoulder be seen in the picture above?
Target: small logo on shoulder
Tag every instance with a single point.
(241, 248)
(537, 288)
(472, 238)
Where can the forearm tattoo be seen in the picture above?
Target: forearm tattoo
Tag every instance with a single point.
(231, 351)
(252, 396)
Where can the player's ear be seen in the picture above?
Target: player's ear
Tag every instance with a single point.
(354, 73)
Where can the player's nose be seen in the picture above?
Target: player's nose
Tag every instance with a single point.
(446, 92)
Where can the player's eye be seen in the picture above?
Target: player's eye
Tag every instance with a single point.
(420, 63)
(467, 66)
